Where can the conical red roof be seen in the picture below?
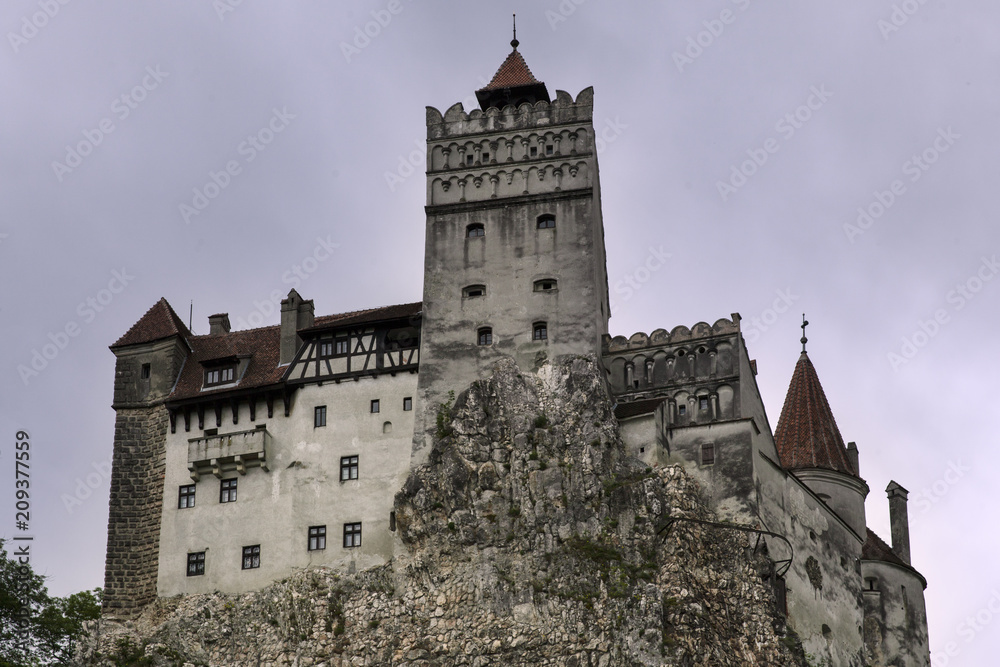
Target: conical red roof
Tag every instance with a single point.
(159, 322)
(807, 435)
(512, 73)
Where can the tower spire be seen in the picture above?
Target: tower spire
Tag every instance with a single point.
(804, 340)
(514, 41)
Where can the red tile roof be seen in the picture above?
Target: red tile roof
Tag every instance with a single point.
(159, 322)
(876, 549)
(512, 73)
(263, 347)
(807, 435)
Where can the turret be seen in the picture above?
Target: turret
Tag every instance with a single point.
(811, 447)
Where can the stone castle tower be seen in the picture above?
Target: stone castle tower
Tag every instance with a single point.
(243, 456)
(514, 262)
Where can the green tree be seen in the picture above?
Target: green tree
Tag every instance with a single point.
(35, 628)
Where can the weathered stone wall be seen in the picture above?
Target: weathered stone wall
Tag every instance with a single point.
(528, 538)
(135, 509)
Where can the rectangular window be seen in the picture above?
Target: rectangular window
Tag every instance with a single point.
(196, 564)
(340, 346)
(548, 150)
(703, 403)
(486, 158)
(374, 405)
(534, 151)
(251, 557)
(227, 491)
(348, 468)
(681, 409)
(707, 454)
(352, 535)
(221, 375)
(144, 373)
(185, 496)
(407, 404)
(319, 416)
(326, 349)
(317, 538)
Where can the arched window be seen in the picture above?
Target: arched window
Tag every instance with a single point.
(484, 336)
(540, 331)
(547, 221)
(545, 285)
(475, 230)
(474, 290)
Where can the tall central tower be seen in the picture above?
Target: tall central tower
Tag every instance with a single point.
(514, 263)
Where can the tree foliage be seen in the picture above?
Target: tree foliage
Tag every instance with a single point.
(36, 628)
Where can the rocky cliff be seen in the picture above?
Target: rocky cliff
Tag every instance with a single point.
(529, 538)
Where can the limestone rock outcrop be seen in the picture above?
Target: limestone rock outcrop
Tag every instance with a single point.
(528, 538)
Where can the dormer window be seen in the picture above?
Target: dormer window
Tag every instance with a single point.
(545, 285)
(473, 291)
(547, 221)
(219, 375)
(474, 231)
(402, 338)
(325, 349)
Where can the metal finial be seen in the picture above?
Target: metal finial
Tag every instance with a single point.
(514, 41)
(805, 323)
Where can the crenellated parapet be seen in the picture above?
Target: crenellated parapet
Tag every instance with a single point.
(563, 110)
(697, 369)
(540, 148)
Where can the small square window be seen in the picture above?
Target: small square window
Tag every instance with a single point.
(144, 372)
(227, 491)
(352, 535)
(251, 557)
(407, 404)
(707, 454)
(185, 496)
(340, 346)
(540, 331)
(196, 564)
(703, 403)
(348, 468)
(319, 416)
(374, 405)
(326, 349)
(317, 538)
(485, 337)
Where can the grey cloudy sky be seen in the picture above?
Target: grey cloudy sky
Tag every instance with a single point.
(743, 139)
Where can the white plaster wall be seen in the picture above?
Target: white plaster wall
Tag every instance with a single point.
(302, 488)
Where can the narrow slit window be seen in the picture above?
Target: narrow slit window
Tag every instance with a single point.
(144, 373)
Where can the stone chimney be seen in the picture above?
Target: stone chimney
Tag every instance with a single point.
(296, 314)
(899, 520)
(218, 324)
(852, 456)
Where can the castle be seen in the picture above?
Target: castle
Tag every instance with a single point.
(242, 456)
